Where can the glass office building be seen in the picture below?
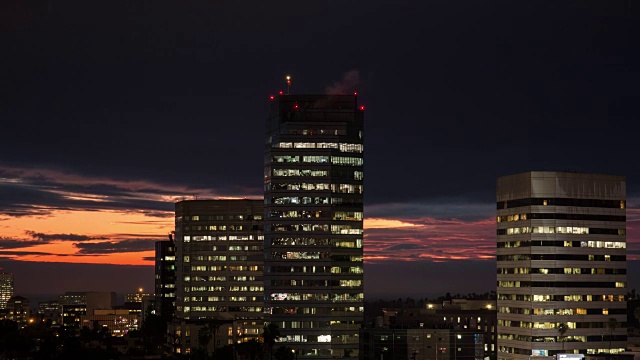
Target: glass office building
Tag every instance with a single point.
(313, 179)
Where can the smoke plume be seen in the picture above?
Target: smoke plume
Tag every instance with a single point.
(350, 82)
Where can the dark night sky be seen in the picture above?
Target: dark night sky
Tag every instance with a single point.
(141, 102)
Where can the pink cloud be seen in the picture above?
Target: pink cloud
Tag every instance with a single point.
(431, 239)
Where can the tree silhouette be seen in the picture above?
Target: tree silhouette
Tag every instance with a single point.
(562, 329)
(270, 334)
(636, 313)
(612, 324)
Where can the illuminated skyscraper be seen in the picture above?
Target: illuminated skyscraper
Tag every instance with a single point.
(561, 264)
(6, 288)
(313, 223)
(165, 284)
(219, 266)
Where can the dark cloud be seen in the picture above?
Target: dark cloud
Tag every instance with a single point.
(111, 247)
(61, 237)
(405, 247)
(8, 243)
(12, 253)
(148, 258)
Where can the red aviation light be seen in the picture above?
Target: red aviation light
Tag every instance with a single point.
(271, 97)
(362, 108)
(280, 92)
(295, 106)
(355, 93)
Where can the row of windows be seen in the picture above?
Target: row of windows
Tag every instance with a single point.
(222, 278)
(223, 288)
(545, 298)
(218, 217)
(554, 325)
(317, 132)
(315, 297)
(220, 228)
(257, 309)
(563, 284)
(319, 159)
(567, 338)
(553, 353)
(344, 325)
(559, 230)
(316, 214)
(305, 200)
(318, 269)
(565, 243)
(216, 258)
(566, 271)
(336, 188)
(221, 298)
(197, 238)
(556, 216)
(313, 310)
(228, 268)
(335, 229)
(340, 283)
(612, 204)
(520, 257)
(577, 311)
(189, 258)
(357, 148)
(341, 174)
(299, 172)
(311, 255)
(290, 241)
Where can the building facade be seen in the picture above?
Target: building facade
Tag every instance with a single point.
(165, 282)
(561, 261)
(422, 344)
(6, 288)
(219, 269)
(313, 223)
(19, 310)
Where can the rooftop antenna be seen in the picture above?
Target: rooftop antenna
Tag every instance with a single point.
(288, 83)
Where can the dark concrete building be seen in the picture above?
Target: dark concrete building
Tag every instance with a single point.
(165, 282)
(421, 344)
(313, 182)
(561, 259)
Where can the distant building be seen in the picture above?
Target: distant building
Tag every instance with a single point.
(460, 314)
(119, 322)
(135, 297)
(19, 310)
(50, 310)
(421, 344)
(165, 282)
(219, 268)
(134, 302)
(75, 304)
(561, 259)
(313, 181)
(6, 288)
(100, 300)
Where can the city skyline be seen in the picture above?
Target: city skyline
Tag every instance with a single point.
(99, 101)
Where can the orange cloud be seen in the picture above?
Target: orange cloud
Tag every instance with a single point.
(378, 223)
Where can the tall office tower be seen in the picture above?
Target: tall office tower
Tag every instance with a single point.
(165, 284)
(6, 288)
(219, 267)
(313, 223)
(561, 264)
